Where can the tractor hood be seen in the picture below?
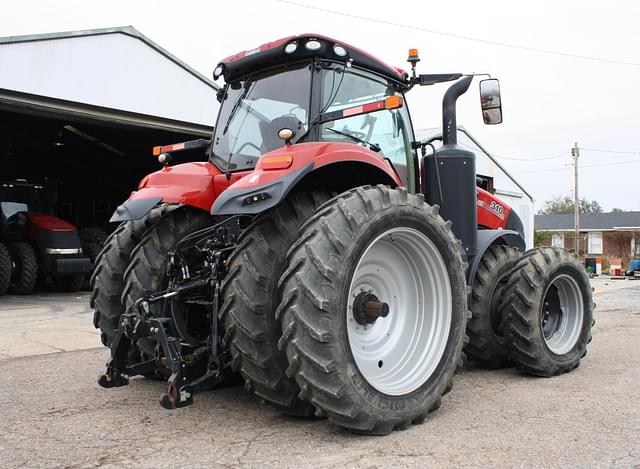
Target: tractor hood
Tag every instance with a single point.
(49, 223)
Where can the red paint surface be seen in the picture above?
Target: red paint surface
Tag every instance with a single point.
(489, 215)
(194, 184)
(198, 184)
(321, 154)
(49, 223)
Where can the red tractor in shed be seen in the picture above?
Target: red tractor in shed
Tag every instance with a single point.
(336, 263)
(35, 244)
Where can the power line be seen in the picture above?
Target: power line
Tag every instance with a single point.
(459, 36)
(611, 151)
(551, 157)
(582, 166)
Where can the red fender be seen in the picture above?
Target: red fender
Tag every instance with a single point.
(278, 171)
(320, 154)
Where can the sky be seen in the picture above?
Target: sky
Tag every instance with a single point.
(549, 100)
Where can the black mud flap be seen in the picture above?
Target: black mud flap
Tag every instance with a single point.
(134, 209)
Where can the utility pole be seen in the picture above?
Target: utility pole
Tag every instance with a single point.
(575, 153)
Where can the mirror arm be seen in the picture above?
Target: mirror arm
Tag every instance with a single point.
(449, 125)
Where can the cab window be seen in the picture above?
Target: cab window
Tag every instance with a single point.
(388, 130)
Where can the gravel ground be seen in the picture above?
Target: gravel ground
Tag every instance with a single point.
(54, 415)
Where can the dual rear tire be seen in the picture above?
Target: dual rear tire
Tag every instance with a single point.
(548, 312)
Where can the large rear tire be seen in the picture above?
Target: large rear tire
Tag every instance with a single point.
(548, 312)
(251, 295)
(5, 269)
(486, 341)
(107, 277)
(25, 268)
(374, 249)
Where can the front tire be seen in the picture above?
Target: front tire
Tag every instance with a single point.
(25, 268)
(373, 246)
(5, 269)
(548, 311)
(107, 276)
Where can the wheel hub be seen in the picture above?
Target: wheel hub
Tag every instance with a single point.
(367, 308)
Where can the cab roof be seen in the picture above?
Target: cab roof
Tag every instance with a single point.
(303, 46)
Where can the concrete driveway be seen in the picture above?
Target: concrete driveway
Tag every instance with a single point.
(54, 415)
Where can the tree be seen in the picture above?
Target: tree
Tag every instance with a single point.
(564, 204)
(617, 210)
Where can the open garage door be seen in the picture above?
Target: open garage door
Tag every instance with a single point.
(87, 165)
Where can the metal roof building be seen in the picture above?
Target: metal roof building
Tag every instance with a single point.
(114, 74)
(84, 109)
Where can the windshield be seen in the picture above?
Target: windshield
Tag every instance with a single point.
(19, 199)
(254, 110)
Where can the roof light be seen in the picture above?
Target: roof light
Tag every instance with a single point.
(290, 48)
(339, 50)
(413, 56)
(313, 45)
(217, 72)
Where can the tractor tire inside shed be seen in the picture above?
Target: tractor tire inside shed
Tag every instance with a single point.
(25, 268)
(70, 284)
(374, 309)
(5, 269)
(548, 312)
(486, 341)
(251, 295)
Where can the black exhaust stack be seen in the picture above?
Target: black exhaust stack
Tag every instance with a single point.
(450, 175)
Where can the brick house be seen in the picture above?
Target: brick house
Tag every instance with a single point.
(610, 235)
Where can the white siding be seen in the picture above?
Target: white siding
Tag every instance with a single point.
(111, 70)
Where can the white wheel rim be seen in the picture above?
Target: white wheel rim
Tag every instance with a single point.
(571, 313)
(397, 354)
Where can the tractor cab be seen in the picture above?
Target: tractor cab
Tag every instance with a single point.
(311, 89)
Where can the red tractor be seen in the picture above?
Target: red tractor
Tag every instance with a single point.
(35, 244)
(333, 261)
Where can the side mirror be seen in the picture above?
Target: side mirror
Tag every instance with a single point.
(490, 101)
